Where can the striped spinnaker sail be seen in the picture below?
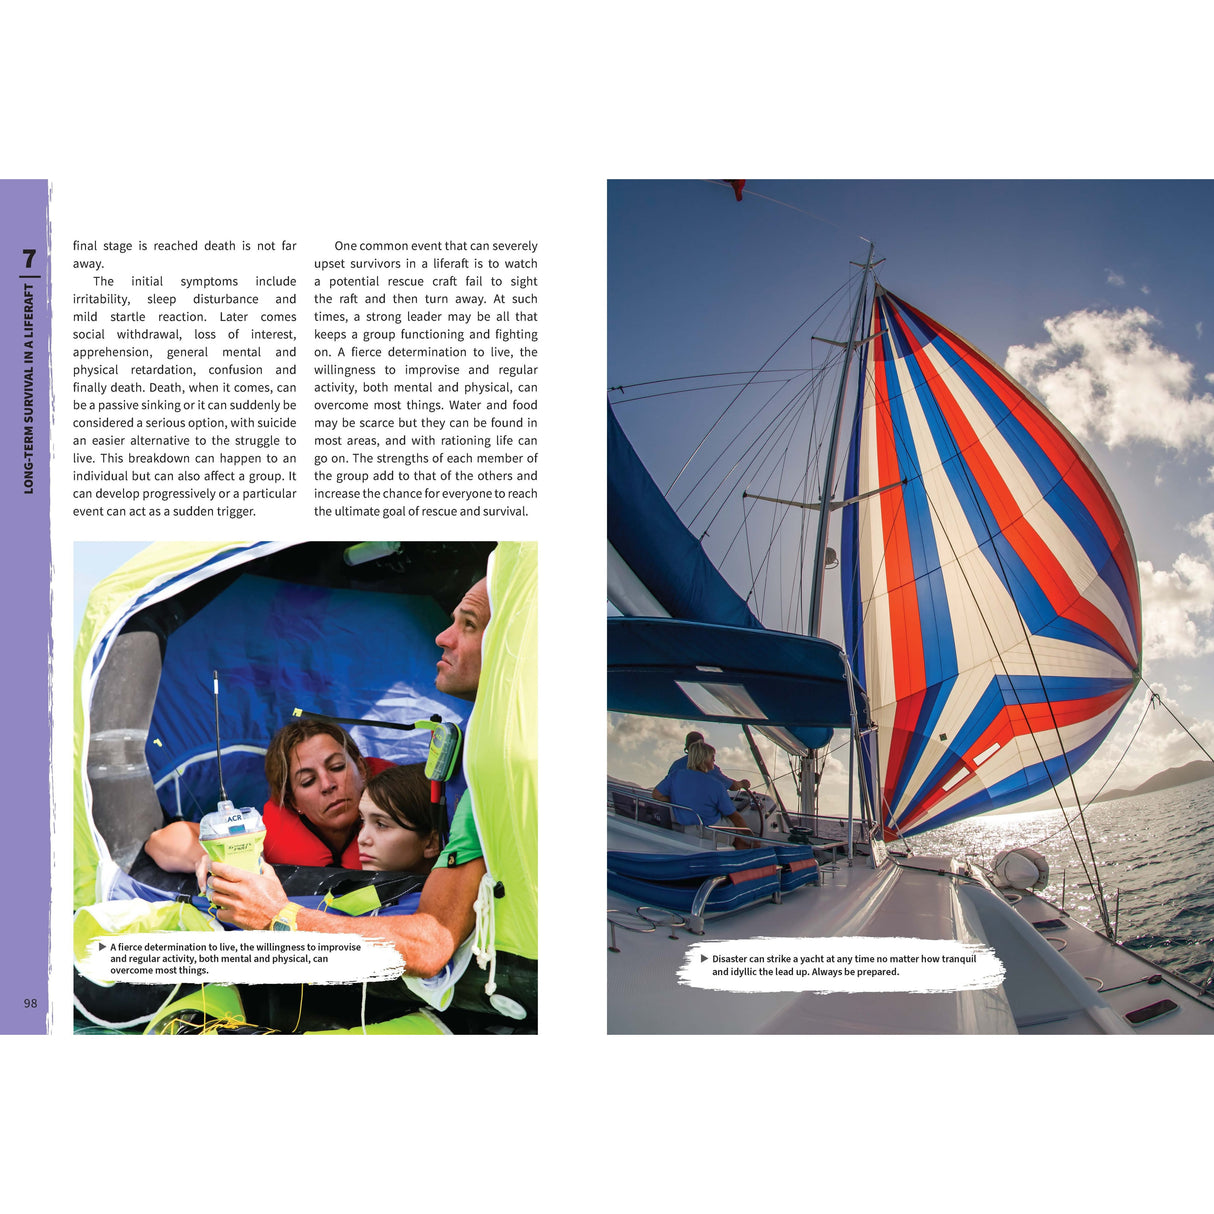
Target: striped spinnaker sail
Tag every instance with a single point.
(991, 605)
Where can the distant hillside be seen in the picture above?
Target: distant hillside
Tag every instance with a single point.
(1199, 769)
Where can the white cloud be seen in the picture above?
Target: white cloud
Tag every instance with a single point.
(1114, 279)
(1198, 328)
(1105, 377)
(1160, 744)
(1203, 529)
(1145, 289)
(1178, 603)
(1177, 608)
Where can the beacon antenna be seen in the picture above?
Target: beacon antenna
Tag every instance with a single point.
(224, 803)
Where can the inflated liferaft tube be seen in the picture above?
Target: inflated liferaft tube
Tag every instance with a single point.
(125, 806)
(1020, 868)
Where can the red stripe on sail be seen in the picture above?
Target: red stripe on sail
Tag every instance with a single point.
(906, 720)
(1058, 449)
(1044, 567)
(902, 603)
(1015, 721)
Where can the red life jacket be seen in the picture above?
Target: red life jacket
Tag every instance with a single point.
(291, 840)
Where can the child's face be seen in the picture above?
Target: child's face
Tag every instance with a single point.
(387, 847)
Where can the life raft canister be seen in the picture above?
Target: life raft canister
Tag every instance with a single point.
(1020, 868)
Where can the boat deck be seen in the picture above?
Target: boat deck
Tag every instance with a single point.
(1126, 981)
(1064, 980)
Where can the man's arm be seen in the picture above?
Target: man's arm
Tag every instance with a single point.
(426, 940)
(175, 847)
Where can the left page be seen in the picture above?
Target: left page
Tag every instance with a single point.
(307, 467)
(25, 320)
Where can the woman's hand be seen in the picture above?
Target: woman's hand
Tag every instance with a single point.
(250, 900)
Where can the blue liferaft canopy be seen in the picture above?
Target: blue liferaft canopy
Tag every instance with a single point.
(736, 676)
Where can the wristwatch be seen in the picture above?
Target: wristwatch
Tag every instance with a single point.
(284, 921)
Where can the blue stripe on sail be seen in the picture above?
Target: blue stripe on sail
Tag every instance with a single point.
(853, 599)
(1037, 778)
(1052, 485)
(924, 729)
(906, 346)
(939, 652)
(918, 335)
(1026, 688)
(1061, 629)
(1020, 691)
(990, 704)
(1031, 600)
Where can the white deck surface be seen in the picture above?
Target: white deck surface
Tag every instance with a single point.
(921, 898)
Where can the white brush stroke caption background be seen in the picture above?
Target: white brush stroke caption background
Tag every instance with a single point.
(316, 957)
(841, 964)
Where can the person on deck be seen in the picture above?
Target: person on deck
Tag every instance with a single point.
(696, 795)
(446, 914)
(680, 764)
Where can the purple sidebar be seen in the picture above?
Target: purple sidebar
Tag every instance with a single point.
(25, 342)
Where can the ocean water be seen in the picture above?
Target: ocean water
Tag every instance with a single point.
(1155, 855)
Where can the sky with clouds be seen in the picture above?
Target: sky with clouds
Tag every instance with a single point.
(1094, 294)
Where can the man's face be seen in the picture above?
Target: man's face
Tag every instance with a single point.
(459, 668)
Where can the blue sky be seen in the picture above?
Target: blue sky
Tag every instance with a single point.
(93, 561)
(1095, 294)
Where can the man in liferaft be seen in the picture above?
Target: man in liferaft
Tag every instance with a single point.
(445, 915)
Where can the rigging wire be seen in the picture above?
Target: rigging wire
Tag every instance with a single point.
(759, 449)
(729, 406)
(813, 449)
(629, 400)
(1151, 699)
(792, 372)
(780, 203)
(1164, 704)
(791, 407)
(799, 489)
(1154, 700)
(779, 439)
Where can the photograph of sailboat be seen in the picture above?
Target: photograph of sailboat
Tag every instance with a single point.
(893, 577)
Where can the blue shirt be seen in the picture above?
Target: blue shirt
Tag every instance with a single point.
(696, 796)
(716, 773)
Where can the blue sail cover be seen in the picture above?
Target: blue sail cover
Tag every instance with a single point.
(735, 676)
(651, 539)
(992, 611)
(652, 551)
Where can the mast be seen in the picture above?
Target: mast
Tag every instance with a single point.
(819, 567)
(809, 789)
